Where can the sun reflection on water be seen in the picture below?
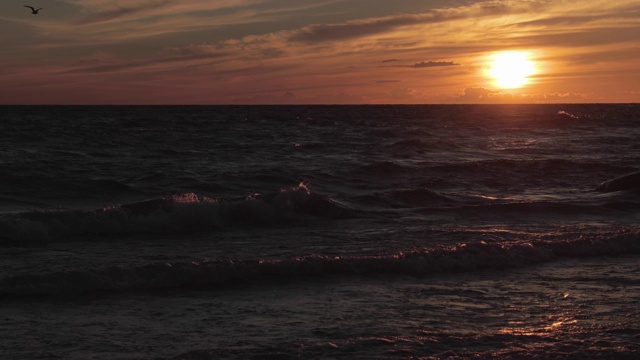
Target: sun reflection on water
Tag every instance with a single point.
(552, 326)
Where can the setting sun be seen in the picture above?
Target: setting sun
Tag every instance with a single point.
(511, 69)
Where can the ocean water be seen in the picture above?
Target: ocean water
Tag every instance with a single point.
(319, 232)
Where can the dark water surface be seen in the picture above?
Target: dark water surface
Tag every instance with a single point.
(208, 232)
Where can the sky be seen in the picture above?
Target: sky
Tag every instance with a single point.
(316, 51)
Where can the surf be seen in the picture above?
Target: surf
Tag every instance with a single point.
(181, 213)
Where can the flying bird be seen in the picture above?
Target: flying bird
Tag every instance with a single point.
(34, 11)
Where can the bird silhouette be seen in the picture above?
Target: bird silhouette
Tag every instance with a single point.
(34, 11)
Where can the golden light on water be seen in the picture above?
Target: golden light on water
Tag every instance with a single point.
(511, 69)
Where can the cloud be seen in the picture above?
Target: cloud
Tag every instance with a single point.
(98, 57)
(591, 37)
(606, 56)
(122, 23)
(131, 9)
(475, 94)
(361, 28)
(131, 20)
(239, 48)
(288, 97)
(353, 29)
(105, 63)
(407, 95)
(481, 95)
(336, 32)
(425, 64)
(557, 21)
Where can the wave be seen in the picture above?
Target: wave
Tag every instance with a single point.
(386, 168)
(626, 182)
(49, 184)
(548, 207)
(423, 199)
(180, 213)
(212, 274)
(414, 197)
(567, 115)
(497, 173)
(419, 144)
(545, 166)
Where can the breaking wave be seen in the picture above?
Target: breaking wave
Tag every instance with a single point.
(212, 274)
(181, 213)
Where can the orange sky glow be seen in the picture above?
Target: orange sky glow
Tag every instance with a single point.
(316, 51)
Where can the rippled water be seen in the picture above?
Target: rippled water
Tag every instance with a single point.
(319, 232)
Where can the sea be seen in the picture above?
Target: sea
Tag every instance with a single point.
(319, 232)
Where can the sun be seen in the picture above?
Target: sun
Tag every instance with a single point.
(511, 69)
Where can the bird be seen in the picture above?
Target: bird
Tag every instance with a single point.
(34, 11)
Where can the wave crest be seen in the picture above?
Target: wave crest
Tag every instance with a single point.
(180, 213)
(211, 274)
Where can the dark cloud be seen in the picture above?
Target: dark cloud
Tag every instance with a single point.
(107, 15)
(390, 60)
(425, 64)
(163, 58)
(588, 37)
(627, 13)
(604, 56)
(122, 11)
(354, 29)
(271, 53)
(563, 20)
(104, 63)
